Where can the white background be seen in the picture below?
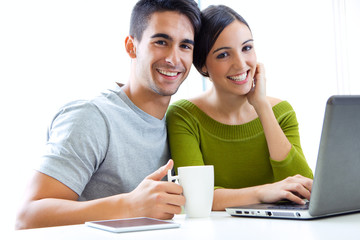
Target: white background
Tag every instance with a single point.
(52, 52)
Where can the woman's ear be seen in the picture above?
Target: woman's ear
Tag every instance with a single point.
(204, 71)
(130, 46)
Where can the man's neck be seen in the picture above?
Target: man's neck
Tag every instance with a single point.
(147, 100)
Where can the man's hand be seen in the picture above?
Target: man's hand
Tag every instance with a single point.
(155, 198)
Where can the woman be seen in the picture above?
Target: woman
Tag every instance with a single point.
(251, 139)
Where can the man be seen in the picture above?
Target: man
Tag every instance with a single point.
(104, 156)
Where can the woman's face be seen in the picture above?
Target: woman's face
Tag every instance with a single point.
(231, 62)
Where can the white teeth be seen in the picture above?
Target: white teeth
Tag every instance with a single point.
(240, 77)
(170, 74)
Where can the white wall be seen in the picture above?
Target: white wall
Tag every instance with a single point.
(52, 52)
(347, 20)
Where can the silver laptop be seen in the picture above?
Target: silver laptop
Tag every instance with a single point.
(336, 187)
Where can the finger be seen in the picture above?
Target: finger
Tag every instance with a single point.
(175, 200)
(161, 172)
(161, 212)
(169, 203)
(164, 216)
(259, 79)
(306, 182)
(299, 190)
(172, 209)
(168, 187)
(260, 68)
(292, 197)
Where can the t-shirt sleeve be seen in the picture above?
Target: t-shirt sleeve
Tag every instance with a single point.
(76, 145)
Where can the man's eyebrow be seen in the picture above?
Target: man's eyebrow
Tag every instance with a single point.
(165, 36)
(216, 50)
(188, 41)
(161, 35)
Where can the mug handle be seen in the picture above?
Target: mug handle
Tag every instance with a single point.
(172, 178)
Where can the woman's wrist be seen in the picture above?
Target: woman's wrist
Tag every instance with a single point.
(258, 193)
(262, 107)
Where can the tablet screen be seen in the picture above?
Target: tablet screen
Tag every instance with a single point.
(132, 224)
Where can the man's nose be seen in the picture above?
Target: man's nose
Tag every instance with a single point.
(173, 56)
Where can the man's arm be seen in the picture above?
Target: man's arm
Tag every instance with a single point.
(49, 202)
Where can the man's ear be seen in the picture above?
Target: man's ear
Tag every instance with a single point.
(130, 46)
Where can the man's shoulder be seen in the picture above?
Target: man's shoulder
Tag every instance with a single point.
(83, 107)
(101, 103)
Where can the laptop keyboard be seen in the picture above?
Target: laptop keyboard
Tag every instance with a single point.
(291, 206)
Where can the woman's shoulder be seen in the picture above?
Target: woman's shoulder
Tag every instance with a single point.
(198, 100)
(182, 106)
(195, 103)
(280, 106)
(274, 101)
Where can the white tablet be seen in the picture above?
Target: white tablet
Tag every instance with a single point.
(132, 224)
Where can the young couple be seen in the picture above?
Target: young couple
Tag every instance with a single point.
(106, 157)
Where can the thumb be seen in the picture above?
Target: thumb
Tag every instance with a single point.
(161, 172)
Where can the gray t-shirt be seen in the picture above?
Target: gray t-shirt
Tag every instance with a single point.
(104, 146)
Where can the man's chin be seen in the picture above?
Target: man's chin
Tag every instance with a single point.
(165, 92)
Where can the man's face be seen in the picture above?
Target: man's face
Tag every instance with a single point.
(164, 54)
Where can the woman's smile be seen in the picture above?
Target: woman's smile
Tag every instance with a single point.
(239, 78)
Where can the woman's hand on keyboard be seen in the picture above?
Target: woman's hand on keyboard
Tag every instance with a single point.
(295, 189)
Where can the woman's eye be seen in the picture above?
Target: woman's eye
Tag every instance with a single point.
(222, 55)
(247, 48)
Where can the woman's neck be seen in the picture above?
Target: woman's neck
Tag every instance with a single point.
(228, 109)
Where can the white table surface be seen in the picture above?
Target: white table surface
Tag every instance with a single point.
(219, 225)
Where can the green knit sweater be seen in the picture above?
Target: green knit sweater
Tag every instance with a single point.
(239, 153)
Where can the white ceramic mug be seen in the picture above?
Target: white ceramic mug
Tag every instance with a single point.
(198, 186)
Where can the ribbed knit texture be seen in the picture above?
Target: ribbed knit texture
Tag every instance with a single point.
(239, 153)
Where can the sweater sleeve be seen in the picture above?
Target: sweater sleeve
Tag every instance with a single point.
(184, 139)
(295, 162)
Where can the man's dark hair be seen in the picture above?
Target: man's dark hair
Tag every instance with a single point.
(143, 10)
(214, 20)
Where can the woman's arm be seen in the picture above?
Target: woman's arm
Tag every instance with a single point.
(292, 188)
(282, 135)
(278, 144)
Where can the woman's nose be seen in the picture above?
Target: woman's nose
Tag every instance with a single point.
(239, 61)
